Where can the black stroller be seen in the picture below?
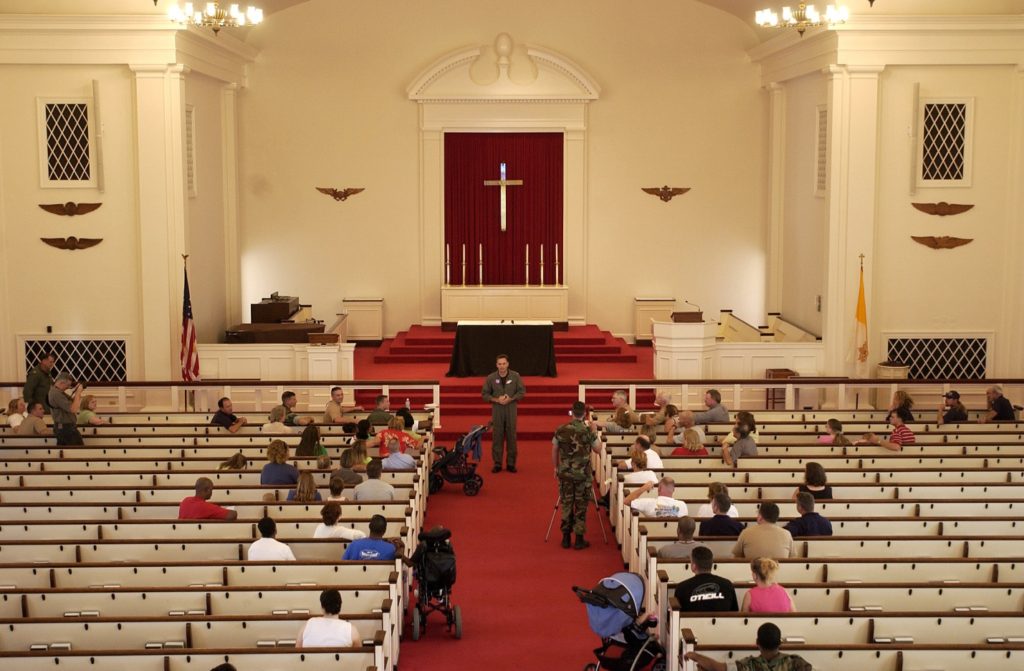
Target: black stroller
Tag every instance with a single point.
(613, 607)
(434, 569)
(455, 466)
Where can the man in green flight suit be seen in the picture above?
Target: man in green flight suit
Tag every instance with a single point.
(38, 381)
(570, 453)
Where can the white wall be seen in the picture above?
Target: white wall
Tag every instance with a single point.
(85, 292)
(680, 104)
(805, 222)
(918, 289)
(205, 237)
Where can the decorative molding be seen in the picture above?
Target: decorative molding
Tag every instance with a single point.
(665, 193)
(70, 209)
(943, 242)
(942, 208)
(72, 243)
(339, 194)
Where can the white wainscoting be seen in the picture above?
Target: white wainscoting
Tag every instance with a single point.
(505, 302)
(277, 362)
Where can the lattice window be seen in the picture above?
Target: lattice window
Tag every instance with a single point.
(941, 358)
(190, 150)
(87, 360)
(946, 142)
(821, 153)
(66, 147)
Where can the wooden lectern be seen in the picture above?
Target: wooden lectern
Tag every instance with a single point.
(687, 317)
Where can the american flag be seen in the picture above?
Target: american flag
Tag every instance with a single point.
(189, 353)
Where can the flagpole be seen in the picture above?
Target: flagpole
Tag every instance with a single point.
(190, 394)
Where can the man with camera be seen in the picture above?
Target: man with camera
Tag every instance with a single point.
(570, 454)
(65, 409)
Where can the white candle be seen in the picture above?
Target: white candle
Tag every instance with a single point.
(481, 252)
(447, 253)
(527, 263)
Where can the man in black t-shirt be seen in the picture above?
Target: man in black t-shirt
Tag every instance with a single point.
(999, 407)
(704, 591)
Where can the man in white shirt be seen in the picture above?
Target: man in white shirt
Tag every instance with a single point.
(269, 548)
(328, 631)
(661, 506)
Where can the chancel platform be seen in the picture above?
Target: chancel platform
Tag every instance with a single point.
(530, 346)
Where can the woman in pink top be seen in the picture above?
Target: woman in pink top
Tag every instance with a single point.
(766, 596)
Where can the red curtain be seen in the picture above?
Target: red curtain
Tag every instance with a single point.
(533, 211)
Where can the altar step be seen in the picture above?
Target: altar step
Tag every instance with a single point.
(446, 349)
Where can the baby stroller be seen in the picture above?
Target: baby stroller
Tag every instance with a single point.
(455, 466)
(434, 569)
(612, 609)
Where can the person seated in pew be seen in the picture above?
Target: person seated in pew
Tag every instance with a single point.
(716, 413)
(87, 415)
(999, 407)
(641, 445)
(766, 596)
(623, 418)
(662, 506)
(34, 424)
(305, 489)
(691, 445)
(236, 462)
(374, 489)
(685, 545)
(664, 419)
(769, 640)
(376, 547)
(901, 434)
(333, 412)
(277, 471)
(809, 523)
(328, 630)
(366, 435)
(224, 667)
(815, 483)
(349, 467)
(225, 418)
(951, 411)
(714, 489)
(17, 411)
(396, 461)
(268, 548)
(705, 592)
(288, 401)
(765, 538)
(743, 446)
(198, 507)
(685, 422)
(834, 434)
(381, 413)
(721, 524)
(396, 432)
(742, 417)
(276, 424)
(329, 527)
(900, 399)
(640, 473)
(412, 425)
(309, 443)
(335, 488)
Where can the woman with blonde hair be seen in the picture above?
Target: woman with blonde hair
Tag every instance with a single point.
(276, 423)
(17, 411)
(766, 596)
(901, 399)
(396, 431)
(277, 471)
(305, 489)
(87, 415)
(360, 456)
(691, 447)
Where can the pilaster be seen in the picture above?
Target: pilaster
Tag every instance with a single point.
(1009, 357)
(853, 97)
(229, 154)
(776, 195)
(159, 123)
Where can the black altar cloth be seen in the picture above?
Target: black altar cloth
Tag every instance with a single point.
(529, 345)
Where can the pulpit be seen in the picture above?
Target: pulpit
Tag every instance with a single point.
(682, 350)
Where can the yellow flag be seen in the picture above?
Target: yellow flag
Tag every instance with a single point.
(860, 342)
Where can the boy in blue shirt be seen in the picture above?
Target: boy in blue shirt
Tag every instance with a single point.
(375, 547)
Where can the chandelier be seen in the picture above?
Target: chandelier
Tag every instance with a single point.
(803, 17)
(214, 16)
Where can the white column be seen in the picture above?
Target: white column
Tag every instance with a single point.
(159, 143)
(777, 186)
(1009, 347)
(431, 242)
(853, 100)
(574, 224)
(10, 359)
(229, 154)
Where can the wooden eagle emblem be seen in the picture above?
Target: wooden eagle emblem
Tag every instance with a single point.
(338, 194)
(70, 209)
(666, 193)
(72, 243)
(943, 242)
(941, 209)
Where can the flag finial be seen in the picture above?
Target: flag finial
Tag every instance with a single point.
(862, 262)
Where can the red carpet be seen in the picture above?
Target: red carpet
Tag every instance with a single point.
(513, 588)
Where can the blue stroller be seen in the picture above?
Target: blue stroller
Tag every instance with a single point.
(455, 466)
(613, 607)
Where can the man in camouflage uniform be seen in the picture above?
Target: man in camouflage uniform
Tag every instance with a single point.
(570, 454)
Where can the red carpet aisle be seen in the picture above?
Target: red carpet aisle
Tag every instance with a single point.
(513, 588)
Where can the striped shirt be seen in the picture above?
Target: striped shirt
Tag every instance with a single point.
(902, 435)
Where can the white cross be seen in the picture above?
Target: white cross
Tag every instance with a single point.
(502, 183)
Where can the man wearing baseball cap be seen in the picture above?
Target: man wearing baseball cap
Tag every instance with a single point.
(952, 411)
